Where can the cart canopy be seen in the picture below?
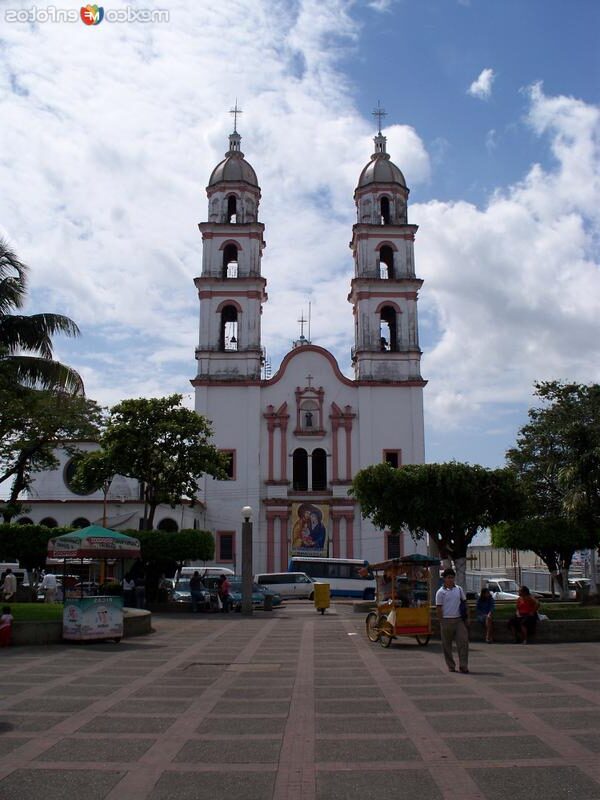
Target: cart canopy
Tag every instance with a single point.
(415, 558)
(94, 542)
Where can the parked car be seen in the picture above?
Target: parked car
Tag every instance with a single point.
(503, 589)
(182, 594)
(235, 581)
(290, 585)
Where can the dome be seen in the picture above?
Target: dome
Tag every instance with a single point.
(234, 168)
(381, 170)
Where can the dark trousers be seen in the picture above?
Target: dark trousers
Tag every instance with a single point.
(527, 622)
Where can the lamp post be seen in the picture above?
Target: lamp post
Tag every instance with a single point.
(246, 560)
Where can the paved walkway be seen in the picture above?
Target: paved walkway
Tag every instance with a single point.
(294, 706)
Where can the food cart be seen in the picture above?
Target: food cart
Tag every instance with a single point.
(99, 616)
(403, 597)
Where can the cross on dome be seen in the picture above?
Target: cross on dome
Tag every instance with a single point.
(235, 111)
(379, 112)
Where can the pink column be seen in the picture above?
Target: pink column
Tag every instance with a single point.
(349, 535)
(283, 433)
(336, 536)
(283, 538)
(270, 427)
(270, 542)
(334, 429)
(348, 427)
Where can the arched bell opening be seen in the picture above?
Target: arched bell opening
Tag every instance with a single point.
(384, 210)
(230, 261)
(232, 208)
(229, 329)
(388, 329)
(319, 470)
(300, 469)
(386, 262)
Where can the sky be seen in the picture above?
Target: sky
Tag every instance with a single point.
(109, 133)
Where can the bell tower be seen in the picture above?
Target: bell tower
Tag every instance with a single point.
(231, 289)
(384, 288)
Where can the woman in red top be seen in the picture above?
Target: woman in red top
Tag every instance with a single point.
(525, 619)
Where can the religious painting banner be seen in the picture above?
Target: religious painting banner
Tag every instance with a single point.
(309, 529)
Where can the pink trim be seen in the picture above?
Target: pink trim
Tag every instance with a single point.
(227, 242)
(206, 294)
(335, 540)
(335, 425)
(211, 279)
(350, 536)
(379, 292)
(389, 303)
(270, 543)
(308, 348)
(348, 427)
(271, 430)
(283, 423)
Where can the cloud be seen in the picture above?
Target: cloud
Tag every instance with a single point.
(513, 287)
(482, 87)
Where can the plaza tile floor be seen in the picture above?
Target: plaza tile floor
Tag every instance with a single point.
(291, 706)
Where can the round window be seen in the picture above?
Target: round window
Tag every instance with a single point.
(69, 474)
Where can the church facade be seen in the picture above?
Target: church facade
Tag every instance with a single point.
(296, 439)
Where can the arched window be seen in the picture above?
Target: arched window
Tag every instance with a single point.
(230, 261)
(232, 208)
(386, 262)
(385, 210)
(168, 525)
(24, 521)
(388, 329)
(49, 522)
(80, 522)
(300, 469)
(229, 328)
(319, 470)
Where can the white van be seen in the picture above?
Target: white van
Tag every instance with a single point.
(205, 572)
(289, 585)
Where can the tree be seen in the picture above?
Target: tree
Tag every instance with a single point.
(451, 502)
(557, 463)
(164, 446)
(553, 539)
(33, 423)
(26, 341)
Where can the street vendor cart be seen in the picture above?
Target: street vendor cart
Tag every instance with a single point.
(93, 616)
(403, 599)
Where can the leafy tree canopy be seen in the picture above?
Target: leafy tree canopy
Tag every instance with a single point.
(161, 444)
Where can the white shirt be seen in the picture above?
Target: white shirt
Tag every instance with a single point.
(449, 600)
(49, 581)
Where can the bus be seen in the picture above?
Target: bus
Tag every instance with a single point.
(347, 577)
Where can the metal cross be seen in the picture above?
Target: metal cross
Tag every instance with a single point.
(302, 321)
(379, 112)
(235, 111)
(309, 378)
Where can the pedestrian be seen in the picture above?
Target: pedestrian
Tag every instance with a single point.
(196, 590)
(484, 611)
(524, 622)
(6, 621)
(49, 587)
(140, 590)
(453, 616)
(224, 590)
(128, 586)
(9, 586)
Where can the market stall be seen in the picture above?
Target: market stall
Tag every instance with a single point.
(97, 616)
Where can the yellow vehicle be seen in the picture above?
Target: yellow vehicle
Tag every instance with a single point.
(403, 597)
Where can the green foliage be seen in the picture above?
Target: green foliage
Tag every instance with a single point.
(37, 612)
(26, 341)
(185, 545)
(164, 446)
(93, 471)
(557, 463)
(449, 501)
(27, 544)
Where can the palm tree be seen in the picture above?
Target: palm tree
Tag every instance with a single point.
(26, 341)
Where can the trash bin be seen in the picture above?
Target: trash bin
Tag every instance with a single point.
(268, 602)
(322, 596)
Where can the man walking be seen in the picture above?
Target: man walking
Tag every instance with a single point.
(450, 600)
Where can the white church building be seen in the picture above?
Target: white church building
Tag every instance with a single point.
(296, 439)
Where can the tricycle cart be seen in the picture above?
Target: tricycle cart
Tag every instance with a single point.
(403, 598)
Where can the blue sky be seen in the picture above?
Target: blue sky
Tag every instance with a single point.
(110, 132)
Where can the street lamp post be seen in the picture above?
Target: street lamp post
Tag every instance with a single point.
(246, 560)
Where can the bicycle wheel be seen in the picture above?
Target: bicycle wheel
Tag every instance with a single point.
(372, 627)
(386, 632)
(422, 640)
